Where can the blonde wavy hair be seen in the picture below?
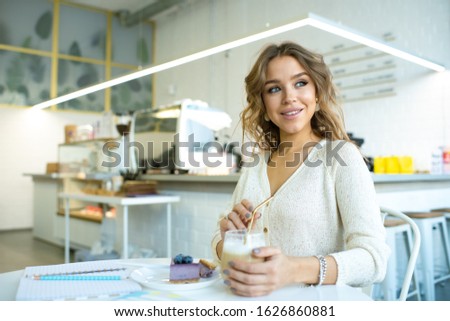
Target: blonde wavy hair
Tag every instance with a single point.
(327, 123)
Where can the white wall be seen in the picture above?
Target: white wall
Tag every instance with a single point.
(28, 141)
(413, 122)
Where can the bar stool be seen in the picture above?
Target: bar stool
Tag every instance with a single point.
(389, 284)
(426, 221)
(445, 211)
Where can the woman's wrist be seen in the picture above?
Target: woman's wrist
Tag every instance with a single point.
(307, 270)
(317, 270)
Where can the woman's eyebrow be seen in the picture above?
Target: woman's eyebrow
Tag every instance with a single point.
(276, 81)
(304, 73)
(271, 81)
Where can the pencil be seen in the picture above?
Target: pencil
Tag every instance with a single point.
(77, 277)
(72, 273)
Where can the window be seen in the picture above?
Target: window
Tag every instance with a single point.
(82, 56)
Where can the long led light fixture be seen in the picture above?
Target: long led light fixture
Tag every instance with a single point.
(173, 63)
(350, 34)
(312, 20)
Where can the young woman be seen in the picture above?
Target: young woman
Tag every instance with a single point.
(323, 223)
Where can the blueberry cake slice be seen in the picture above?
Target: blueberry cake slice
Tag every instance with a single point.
(184, 270)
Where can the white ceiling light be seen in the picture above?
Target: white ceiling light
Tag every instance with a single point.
(312, 20)
(345, 32)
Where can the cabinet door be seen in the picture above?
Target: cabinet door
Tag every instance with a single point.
(83, 233)
(45, 206)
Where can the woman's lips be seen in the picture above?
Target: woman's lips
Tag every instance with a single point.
(291, 113)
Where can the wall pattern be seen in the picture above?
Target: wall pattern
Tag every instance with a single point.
(83, 56)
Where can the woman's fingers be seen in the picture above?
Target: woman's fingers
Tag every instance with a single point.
(235, 219)
(250, 291)
(245, 278)
(257, 278)
(242, 211)
(257, 217)
(247, 204)
(239, 217)
(249, 284)
(266, 252)
(240, 269)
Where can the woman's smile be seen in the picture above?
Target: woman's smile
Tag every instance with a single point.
(289, 96)
(291, 113)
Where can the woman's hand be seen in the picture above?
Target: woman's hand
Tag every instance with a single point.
(238, 218)
(261, 278)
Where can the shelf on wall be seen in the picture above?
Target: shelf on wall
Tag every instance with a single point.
(362, 72)
(81, 142)
(82, 215)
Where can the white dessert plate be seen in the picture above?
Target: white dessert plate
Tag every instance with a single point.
(157, 278)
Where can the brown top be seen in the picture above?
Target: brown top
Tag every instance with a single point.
(423, 214)
(445, 209)
(393, 223)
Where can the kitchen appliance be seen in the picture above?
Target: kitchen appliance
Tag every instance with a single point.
(180, 136)
(359, 142)
(127, 165)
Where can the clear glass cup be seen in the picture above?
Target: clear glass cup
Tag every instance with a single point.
(238, 245)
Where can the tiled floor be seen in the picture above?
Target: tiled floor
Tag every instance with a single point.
(18, 249)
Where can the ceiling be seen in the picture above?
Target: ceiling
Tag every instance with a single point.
(131, 12)
(116, 5)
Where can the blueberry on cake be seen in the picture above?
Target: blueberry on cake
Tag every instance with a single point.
(184, 270)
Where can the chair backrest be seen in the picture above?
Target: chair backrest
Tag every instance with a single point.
(414, 251)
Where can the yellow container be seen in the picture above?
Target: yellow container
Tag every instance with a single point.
(406, 164)
(392, 165)
(379, 165)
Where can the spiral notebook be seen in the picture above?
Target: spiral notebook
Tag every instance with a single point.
(76, 281)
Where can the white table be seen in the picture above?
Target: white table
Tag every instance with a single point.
(121, 201)
(217, 291)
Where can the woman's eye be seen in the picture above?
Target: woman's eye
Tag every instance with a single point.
(272, 90)
(301, 83)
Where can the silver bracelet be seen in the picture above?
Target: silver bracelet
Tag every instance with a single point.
(322, 270)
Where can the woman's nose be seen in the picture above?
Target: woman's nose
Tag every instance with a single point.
(289, 98)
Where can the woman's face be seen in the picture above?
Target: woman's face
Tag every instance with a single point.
(289, 96)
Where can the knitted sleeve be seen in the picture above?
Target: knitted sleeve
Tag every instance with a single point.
(364, 258)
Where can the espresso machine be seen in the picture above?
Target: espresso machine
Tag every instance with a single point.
(175, 137)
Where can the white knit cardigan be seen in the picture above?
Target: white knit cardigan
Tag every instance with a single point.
(327, 206)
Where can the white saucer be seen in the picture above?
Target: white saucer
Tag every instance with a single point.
(157, 277)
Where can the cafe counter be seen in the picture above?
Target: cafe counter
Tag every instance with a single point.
(203, 198)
